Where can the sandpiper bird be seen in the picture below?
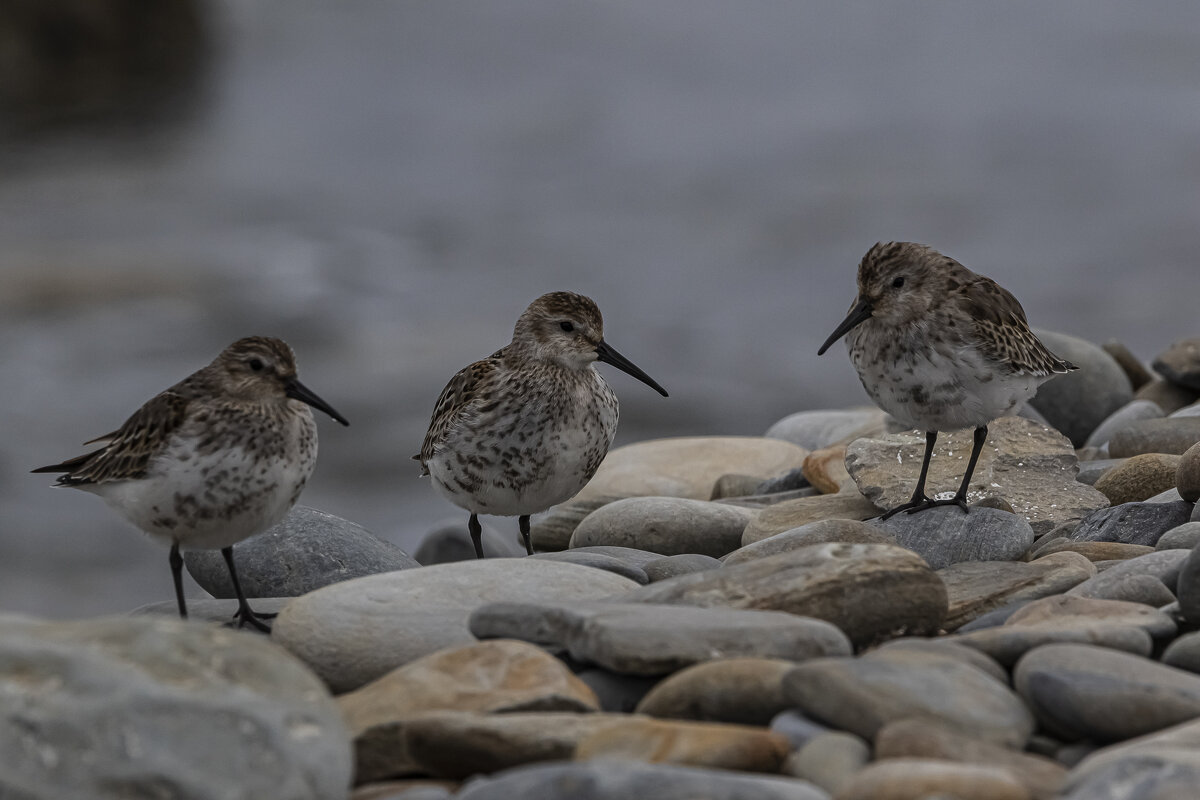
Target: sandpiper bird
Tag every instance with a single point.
(940, 348)
(527, 427)
(218, 457)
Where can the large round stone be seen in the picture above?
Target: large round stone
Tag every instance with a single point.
(667, 525)
(1084, 692)
(112, 707)
(1187, 474)
(1079, 401)
(747, 691)
(814, 430)
(850, 531)
(306, 551)
(863, 694)
(355, 631)
(1138, 478)
(1180, 363)
(1172, 435)
(1133, 411)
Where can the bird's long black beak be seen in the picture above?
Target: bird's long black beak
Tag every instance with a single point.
(298, 391)
(860, 313)
(605, 353)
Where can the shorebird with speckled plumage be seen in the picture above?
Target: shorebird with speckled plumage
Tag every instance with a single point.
(216, 458)
(940, 348)
(527, 427)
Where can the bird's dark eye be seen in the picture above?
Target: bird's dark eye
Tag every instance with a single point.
(255, 364)
(566, 326)
(898, 282)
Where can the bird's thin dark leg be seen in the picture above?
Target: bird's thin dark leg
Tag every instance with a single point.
(244, 615)
(176, 562)
(523, 521)
(976, 448)
(476, 534)
(919, 500)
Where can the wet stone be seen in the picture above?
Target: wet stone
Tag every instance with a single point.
(946, 535)
(306, 551)
(1131, 523)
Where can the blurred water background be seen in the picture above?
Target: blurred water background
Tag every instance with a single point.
(386, 185)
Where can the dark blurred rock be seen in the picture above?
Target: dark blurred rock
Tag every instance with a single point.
(1079, 401)
(1180, 364)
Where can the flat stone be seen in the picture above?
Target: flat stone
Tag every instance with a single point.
(697, 744)
(945, 535)
(683, 564)
(745, 691)
(814, 430)
(1147, 579)
(624, 780)
(826, 469)
(926, 777)
(306, 551)
(1079, 401)
(1181, 537)
(861, 695)
(1170, 435)
(602, 561)
(1096, 551)
(450, 541)
(917, 738)
(1133, 411)
(352, 632)
(791, 514)
(1084, 692)
(113, 706)
(493, 676)
(1138, 478)
(871, 592)
(666, 525)
(1187, 474)
(1065, 619)
(1184, 652)
(1180, 364)
(850, 531)
(829, 760)
(1131, 523)
(458, 744)
(645, 639)
(1031, 466)
(1162, 765)
(975, 588)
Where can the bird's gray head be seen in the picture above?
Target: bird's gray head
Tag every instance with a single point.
(566, 329)
(262, 370)
(899, 283)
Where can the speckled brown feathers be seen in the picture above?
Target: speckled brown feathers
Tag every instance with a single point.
(465, 392)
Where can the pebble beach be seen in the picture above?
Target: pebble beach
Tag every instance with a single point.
(717, 616)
